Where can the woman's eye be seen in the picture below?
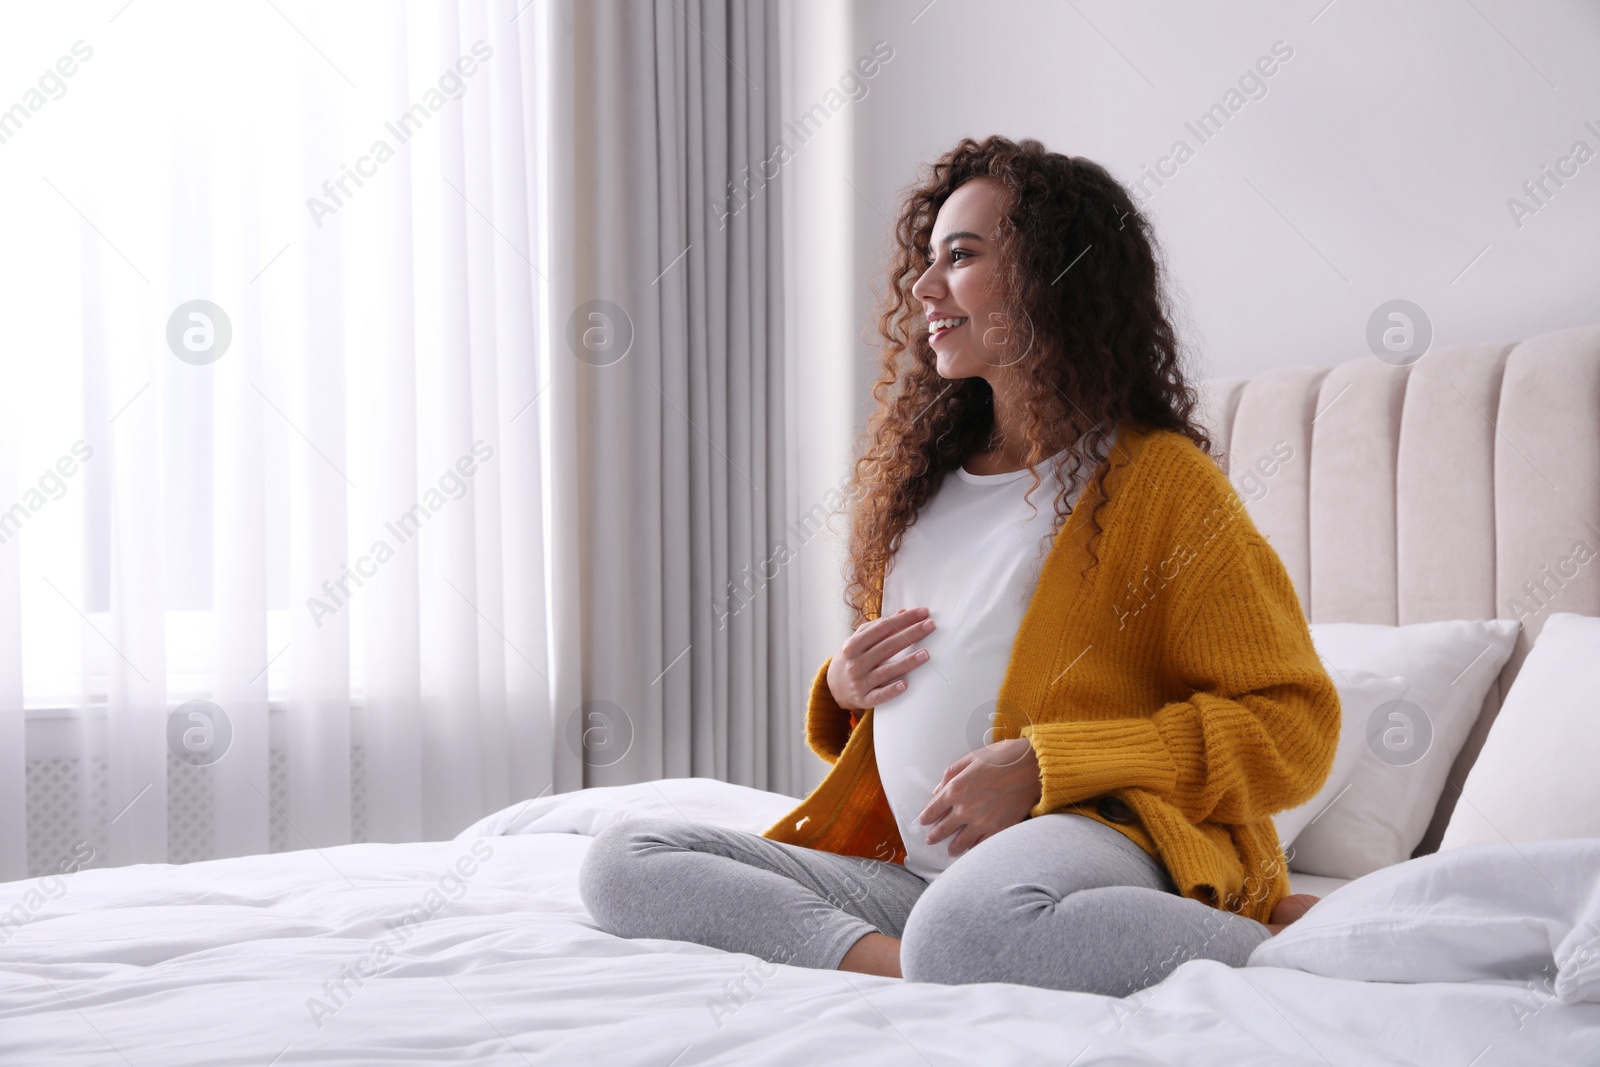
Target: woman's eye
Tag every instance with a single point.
(958, 252)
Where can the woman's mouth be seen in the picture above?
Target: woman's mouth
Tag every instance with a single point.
(937, 328)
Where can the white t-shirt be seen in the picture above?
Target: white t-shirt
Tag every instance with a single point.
(973, 559)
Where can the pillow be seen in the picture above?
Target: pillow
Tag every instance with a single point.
(1522, 913)
(1535, 778)
(589, 811)
(1410, 744)
(1360, 693)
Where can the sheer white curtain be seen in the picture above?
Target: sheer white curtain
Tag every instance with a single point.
(271, 483)
(393, 418)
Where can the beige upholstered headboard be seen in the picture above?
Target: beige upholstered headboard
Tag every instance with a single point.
(1447, 489)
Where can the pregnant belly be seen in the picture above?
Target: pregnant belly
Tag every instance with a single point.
(920, 733)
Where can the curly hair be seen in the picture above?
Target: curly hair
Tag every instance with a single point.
(1101, 349)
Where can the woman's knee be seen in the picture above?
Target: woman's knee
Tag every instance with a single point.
(1112, 941)
(960, 934)
(953, 936)
(613, 877)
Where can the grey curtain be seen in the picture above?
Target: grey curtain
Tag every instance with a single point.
(669, 600)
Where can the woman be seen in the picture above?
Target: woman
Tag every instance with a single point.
(1137, 650)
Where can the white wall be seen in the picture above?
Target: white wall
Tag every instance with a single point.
(1377, 166)
(819, 223)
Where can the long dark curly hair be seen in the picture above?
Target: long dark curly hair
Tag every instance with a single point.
(1101, 349)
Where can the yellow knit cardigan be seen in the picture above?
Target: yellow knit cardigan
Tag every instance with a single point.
(1178, 677)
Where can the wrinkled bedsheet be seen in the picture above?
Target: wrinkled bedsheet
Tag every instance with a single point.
(479, 949)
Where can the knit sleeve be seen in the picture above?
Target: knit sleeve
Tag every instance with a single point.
(1257, 733)
(828, 726)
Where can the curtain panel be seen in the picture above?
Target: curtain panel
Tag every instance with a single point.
(670, 471)
(282, 584)
(391, 421)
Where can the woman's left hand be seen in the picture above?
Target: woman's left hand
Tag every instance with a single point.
(982, 793)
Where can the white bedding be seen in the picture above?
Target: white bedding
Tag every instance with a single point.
(225, 962)
(1315, 884)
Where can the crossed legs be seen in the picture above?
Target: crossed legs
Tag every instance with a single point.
(1061, 902)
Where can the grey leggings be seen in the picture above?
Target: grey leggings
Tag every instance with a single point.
(1061, 902)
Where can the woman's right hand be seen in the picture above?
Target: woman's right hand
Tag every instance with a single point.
(860, 676)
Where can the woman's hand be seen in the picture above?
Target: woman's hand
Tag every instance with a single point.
(859, 677)
(982, 793)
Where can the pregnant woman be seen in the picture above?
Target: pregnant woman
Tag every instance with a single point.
(1057, 734)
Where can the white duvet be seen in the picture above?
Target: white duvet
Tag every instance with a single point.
(479, 950)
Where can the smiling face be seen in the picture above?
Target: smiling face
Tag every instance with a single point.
(958, 291)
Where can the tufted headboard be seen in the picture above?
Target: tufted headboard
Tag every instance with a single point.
(1445, 489)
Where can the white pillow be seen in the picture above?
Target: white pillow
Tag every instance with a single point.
(1521, 913)
(1360, 693)
(1401, 769)
(1535, 779)
(589, 811)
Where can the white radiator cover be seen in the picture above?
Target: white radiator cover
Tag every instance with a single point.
(62, 817)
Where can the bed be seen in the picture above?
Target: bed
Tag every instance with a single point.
(479, 949)
(1409, 507)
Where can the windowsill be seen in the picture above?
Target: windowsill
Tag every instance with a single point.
(66, 732)
(96, 707)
